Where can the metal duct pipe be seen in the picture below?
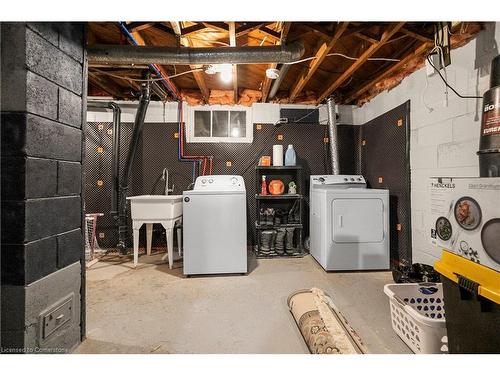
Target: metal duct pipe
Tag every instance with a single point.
(277, 83)
(117, 112)
(332, 133)
(127, 54)
(115, 166)
(138, 125)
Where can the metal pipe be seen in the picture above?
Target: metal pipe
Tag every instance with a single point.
(128, 54)
(332, 132)
(277, 82)
(115, 158)
(138, 126)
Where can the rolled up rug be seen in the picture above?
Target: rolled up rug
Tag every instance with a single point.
(324, 328)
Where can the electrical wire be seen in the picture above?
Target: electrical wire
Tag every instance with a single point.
(258, 154)
(344, 56)
(448, 85)
(308, 114)
(430, 109)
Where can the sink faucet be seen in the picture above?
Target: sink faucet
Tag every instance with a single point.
(164, 177)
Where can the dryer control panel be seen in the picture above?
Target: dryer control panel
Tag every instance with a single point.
(339, 180)
(220, 183)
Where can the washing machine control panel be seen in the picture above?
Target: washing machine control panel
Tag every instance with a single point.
(339, 180)
(220, 183)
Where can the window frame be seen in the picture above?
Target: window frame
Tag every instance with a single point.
(191, 138)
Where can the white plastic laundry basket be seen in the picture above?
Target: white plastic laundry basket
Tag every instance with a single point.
(418, 316)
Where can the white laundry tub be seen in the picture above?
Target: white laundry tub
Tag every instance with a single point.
(156, 207)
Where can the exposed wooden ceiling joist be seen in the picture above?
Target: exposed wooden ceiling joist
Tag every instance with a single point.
(271, 33)
(386, 73)
(139, 26)
(366, 37)
(140, 40)
(249, 27)
(219, 26)
(232, 42)
(324, 32)
(266, 86)
(160, 26)
(356, 29)
(193, 29)
(390, 31)
(198, 75)
(103, 85)
(419, 35)
(357, 87)
(320, 55)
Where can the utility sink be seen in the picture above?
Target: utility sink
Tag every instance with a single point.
(156, 207)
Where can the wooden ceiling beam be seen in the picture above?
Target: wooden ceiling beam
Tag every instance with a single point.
(198, 75)
(140, 40)
(320, 55)
(271, 33)
(266, 86)
(249, 27)
(232, 43)
(365, 37)
(139, 26)
(97, 81)
(390, 31)
(317, 28)
(193, 29)
(160, 26)
(127, 82)
(357, 29)
(419, 35)
(388, 72)
(219, 26)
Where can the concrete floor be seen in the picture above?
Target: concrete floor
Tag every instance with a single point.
(153, 309)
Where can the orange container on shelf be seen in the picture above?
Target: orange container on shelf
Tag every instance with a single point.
(276, 187)
(265, 161)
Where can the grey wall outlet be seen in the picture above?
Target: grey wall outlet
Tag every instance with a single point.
(56, 317)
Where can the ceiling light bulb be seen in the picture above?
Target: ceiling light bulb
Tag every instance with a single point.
(272, 73)
(226, 76)
(211, 69)
(225, 67)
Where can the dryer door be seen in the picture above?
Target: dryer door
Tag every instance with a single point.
(357, 220)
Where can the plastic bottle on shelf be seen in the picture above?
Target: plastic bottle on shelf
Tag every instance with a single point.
(263, 186)
(290, 157)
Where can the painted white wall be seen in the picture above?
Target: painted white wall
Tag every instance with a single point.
(262, 113)
(444, 132)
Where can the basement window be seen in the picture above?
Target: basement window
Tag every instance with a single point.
(219, 124)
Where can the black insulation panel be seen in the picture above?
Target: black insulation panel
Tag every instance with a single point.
(385, 164)
(300, 115)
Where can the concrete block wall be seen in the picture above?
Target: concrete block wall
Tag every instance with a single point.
(444, 131)
(43, 88)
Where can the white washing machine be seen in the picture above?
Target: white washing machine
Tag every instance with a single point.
(349, 224)
(215, 226)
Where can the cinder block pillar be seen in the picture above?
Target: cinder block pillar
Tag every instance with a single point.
(43, 89)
